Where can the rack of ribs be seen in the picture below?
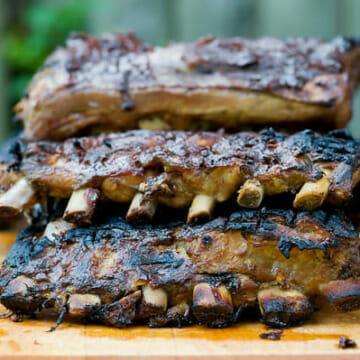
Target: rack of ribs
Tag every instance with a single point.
(180, 169)
(177, 274)
(117, 82)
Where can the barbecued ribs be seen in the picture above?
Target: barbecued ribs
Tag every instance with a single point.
(94, 265)
(179, 169)
(116, 82)
(283, 261)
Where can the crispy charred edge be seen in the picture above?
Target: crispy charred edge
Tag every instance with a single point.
(342, 295)
(336, 150)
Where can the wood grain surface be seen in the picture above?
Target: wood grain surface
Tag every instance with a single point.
(317, 339)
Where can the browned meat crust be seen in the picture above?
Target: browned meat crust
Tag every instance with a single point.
(175, 168)
(178, 274)
(116, 82)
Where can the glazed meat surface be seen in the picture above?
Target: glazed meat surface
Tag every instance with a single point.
(117, 82)
(179, 169)
(283, 261)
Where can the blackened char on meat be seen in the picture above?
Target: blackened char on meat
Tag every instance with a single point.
(172, 167)
(165, 274)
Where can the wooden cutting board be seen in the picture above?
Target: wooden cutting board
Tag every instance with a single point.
(317, 339)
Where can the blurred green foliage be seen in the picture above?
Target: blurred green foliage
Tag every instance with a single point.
(29, 39)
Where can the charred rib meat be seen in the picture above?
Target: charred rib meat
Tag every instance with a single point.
(177, 274)
(116, 82)
(179, 169)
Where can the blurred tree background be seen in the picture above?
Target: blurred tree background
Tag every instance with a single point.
(31, 29)
(33, 32)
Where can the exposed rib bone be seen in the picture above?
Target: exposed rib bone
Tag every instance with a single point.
(82, 304)
(251, 194)
(155, 297)
(313, 194)
(201, 209)
(19, 285)
(19, 288)
(57, 227)
(282, 308)
(141, 209)
(154, 301)
(212, 305)
(13, 201)
(81, 206)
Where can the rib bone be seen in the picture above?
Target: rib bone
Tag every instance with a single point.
(19, 285)
(81, 206)
(18, 288)
(154, 301)
(141, 209)
(313, 194)
(251, 194)
(16, 198)
(201, 209)
(212, 305)
(57, 228)
(282, 308)
(155, 297)
(82, 304)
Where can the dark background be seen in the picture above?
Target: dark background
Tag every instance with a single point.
(31, 29)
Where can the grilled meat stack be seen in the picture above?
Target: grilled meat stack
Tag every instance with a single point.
(170, 223)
